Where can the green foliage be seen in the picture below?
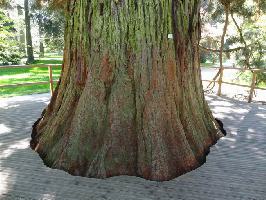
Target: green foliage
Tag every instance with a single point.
(246, 78)
(250, 32)
(211, 43)
(208, 57)
(255, 37)
(51, 23)
(9, 51)
(203, 57)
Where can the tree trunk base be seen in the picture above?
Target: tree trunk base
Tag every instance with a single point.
(130, 100)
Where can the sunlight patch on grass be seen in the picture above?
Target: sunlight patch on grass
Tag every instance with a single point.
(16, 76)
(26, 75)
(24, 90)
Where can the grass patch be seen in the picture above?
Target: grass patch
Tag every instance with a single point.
(46, 61)
(20, 75)
(24, 90)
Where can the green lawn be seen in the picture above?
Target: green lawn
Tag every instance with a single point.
(36, 74)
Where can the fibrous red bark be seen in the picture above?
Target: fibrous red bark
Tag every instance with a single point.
(130, 100)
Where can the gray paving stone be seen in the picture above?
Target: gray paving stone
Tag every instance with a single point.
(235, 168)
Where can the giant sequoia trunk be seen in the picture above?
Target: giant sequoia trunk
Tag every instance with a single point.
(130, 100)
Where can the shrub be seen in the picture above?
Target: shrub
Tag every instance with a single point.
(9, 51)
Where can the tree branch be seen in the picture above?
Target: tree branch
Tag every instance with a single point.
(217, 50)
(246, 50)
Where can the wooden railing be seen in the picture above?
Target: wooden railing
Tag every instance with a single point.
(252, 85)
(220, 81)
(50, 75)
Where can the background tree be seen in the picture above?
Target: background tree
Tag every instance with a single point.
(30, 56)
(22, 36)
(51, 27)
(129, 100)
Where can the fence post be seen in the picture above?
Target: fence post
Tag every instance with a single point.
(51, 79)
(220, 81)
(252, 87)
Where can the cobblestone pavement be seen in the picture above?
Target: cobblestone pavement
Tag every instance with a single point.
(235, 168)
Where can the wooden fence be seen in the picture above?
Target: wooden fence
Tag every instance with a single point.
(50, 75)
(219, 75)
(252, 85)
